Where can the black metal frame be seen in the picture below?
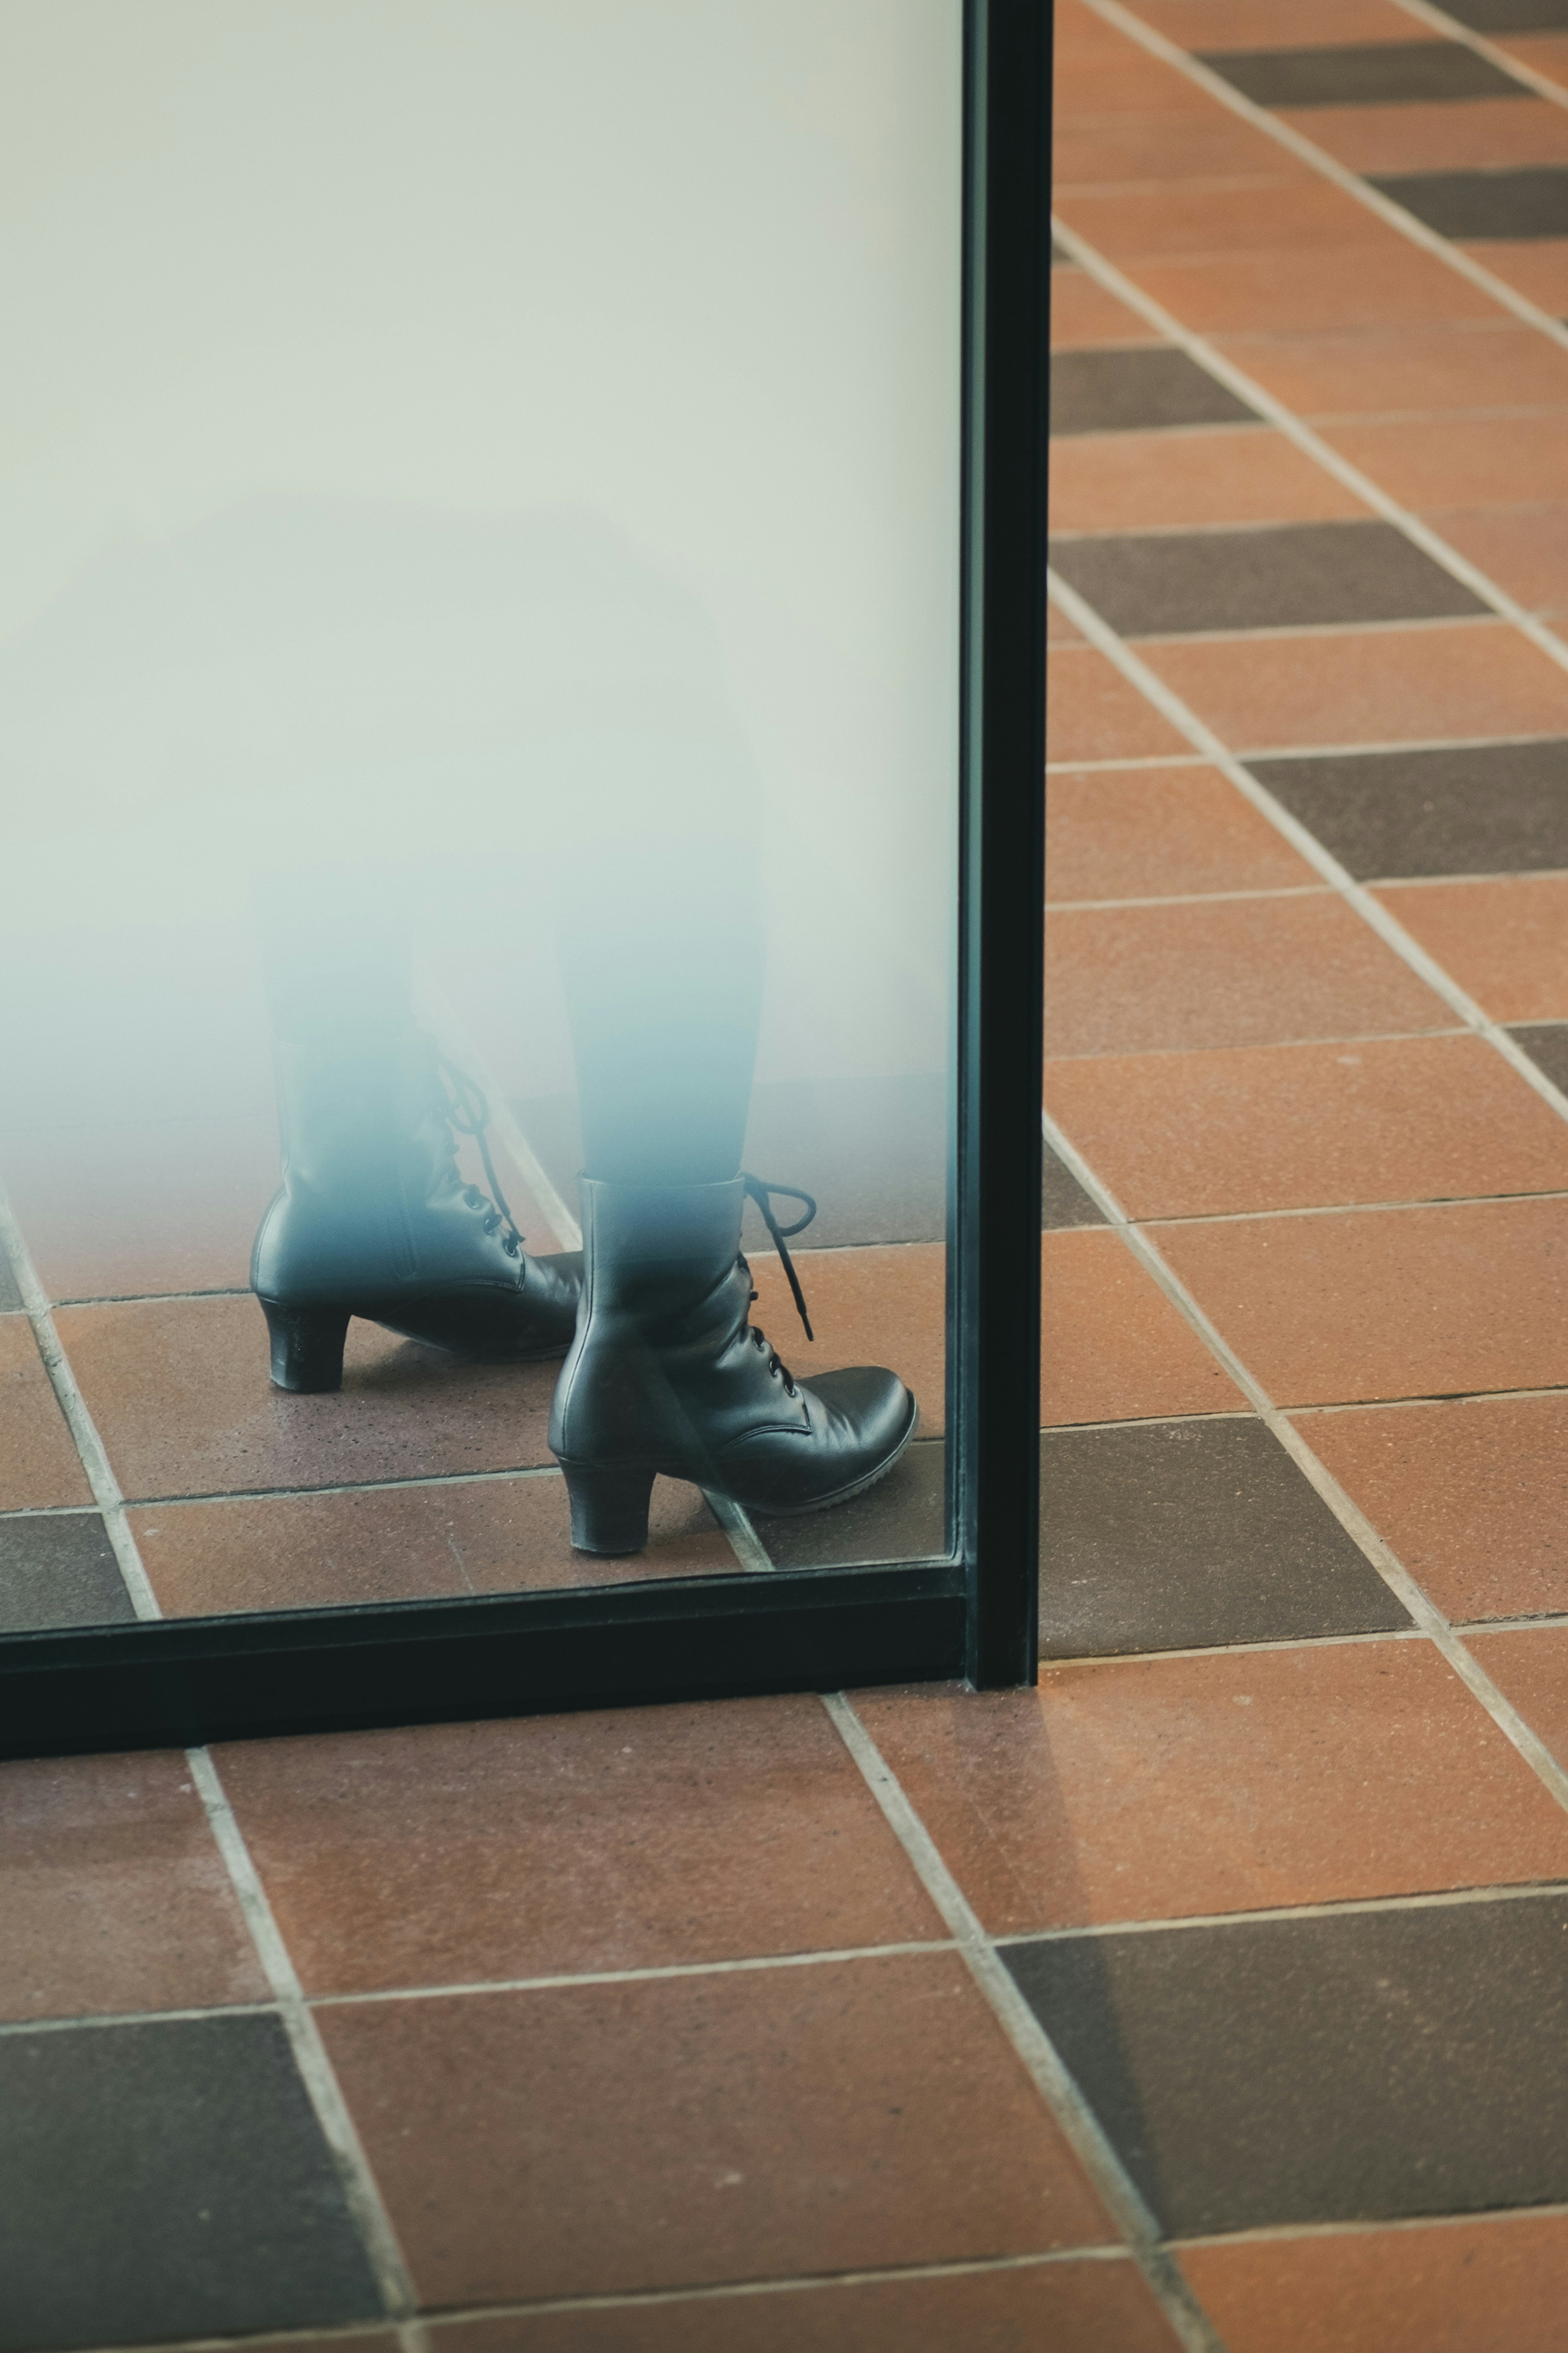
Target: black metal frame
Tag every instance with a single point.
(187, 1680)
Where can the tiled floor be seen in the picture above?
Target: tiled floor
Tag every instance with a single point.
(1215, 1994)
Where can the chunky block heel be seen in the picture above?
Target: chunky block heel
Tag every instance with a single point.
(609, 1507)
(307, 1345)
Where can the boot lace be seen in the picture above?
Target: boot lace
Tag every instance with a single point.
(465, 1108)
(760, 1191)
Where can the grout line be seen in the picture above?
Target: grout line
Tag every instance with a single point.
(1372, 910)
(1343, 1209)
(567, 1979)
(1544, 1621)
(89, 1446)
(1432, 1899)
(1439, 1397)
(1075, 2117)
(361, 2197)
(1279, 1045)
(1062, 1661)
(1096, 767)
(355, 2178)
(1441, 22)
(744, 1542)
(725, 2290)
(136, 2017)
(1427, 1617)
(350, 1487)
(1391, 750)
(1415, 232)
(1264, 2233)
(1208, 356)
(1314, 630)
(1185, 899)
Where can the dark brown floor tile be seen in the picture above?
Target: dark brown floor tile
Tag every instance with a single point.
(180, 1393)
(1505, 942)
(1547, 1047)
(1524, 549)
(1363, 73)
(1379, 1303)
(675, 2132)
(867, 1307)
(1107, 74)
(454, 1854)
(1415, 2058)
(1121, 392)
(1225, 474)
(168, 2180)
(1511, 15)
(402, 1543)
(1063, 1200)
(1112, 1347)
(1295, 575)
(1465, 681)
(1169, 1535)
(1093, 713)
(1529, 202)
(1531, 1669)
(38, 1462)
(1072, 2305)
(1475, 134)
(1471, 1495)
(1147, 1790)
(1495, 2285)
(1362, 286)
(58, 1569)
(116, 1897)
(1286, 1127)
(1491, 809)
(1112, 151)
(1420, 369)
(1156, 833)
(902, 1517)
(1246, 972)
(1129, 225)
(1461, 462)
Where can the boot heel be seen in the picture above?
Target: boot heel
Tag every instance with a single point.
(307, 1345)
(609, 1507)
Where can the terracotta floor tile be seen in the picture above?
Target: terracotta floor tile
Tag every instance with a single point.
(1292, 216)
(1093, 713)
(1359, 286)
(180, 1394)
(1152, 833)
(1264, 25)
(1111, 151)
(633, 1840)
(875, 1306)
(1112, 1347)
(1470, 1494)
(1547, 52)
(1505, 942)
(402, 1543)
(1243, 972)
(675, 2132)
(1474, 680)
(1220, 474)
(1085, 317)
(1285, 1127)
(38, 1462)
(1531, 1669)
(1524, 549)
(116, 1896)
(1415, 368)
(1498, 2286)
(1059, 630)
(1476, 134)
(1159, 1788)
(1118, 78)
(1537, 268)
(1378, 1303)
(1072, 2305)
(1462, 461)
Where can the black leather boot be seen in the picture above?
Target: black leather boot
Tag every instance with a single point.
(375, 1220)
(667, 1375)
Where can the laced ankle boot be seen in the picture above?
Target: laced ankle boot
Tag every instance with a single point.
(375, 1220)
(667, 1373)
